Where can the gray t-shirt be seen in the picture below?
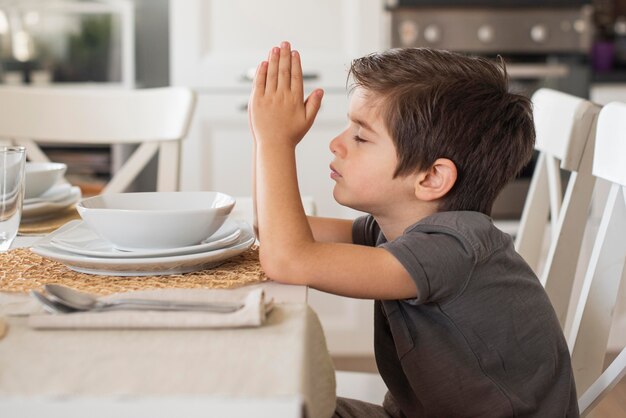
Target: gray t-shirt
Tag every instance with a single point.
(481, 339)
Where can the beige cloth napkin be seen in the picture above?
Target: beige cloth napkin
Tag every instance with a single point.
(253, 313)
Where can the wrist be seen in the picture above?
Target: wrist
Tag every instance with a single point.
(276, 143)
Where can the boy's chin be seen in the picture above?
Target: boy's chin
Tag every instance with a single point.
(343, 201)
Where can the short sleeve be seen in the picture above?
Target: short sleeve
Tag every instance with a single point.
(365, 231)
(439, 263)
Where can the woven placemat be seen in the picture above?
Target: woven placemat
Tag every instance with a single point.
(48, 225)
(21, 270)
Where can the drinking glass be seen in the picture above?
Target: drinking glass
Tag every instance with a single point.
(12, 162)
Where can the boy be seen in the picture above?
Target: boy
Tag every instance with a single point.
(463, 327)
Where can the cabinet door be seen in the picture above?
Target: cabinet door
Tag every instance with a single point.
(217, 43)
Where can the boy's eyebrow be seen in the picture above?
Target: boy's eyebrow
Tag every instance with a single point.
(362, 123)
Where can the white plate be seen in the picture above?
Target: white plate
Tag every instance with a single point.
(84, 241)
(44, 209)
(148, 266)
(57, 192)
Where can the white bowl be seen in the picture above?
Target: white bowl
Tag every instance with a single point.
(139, 221)
(42, 176)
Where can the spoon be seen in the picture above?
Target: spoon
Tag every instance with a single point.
(50, 305)
(77, 300)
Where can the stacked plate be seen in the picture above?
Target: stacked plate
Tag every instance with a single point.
(45, 196)
(83, 248)
(48, 204)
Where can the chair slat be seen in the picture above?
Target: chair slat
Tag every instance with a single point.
(554, 185)
(603, 385)
(559, 273)
(565, 127)
(593, 317)
(534, 217)
(155, 119)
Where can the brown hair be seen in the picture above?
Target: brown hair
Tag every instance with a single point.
(438, 104)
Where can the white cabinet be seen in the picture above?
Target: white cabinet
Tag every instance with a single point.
(215, 43)
(215, 46)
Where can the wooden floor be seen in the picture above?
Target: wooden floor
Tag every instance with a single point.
(612, 406)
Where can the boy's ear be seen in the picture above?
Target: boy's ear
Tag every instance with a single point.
(435, 182)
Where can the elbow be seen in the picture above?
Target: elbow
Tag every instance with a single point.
(280, 266)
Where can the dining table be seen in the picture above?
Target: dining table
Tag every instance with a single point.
(281, 368)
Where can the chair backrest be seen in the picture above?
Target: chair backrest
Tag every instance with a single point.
(565, 128)
(593, 315)
(156, 119)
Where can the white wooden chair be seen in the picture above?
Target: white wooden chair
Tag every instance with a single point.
(155, 119)
(593, 315)
(565, 127)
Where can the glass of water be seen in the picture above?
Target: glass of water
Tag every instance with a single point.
(12, 162)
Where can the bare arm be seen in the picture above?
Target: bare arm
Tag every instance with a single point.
(290, 249)
(324, 229)
(331, 229)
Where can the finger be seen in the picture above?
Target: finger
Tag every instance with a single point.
(260, 78)
(272, 70)
(284, 66)
(312, 105)
(297, 85)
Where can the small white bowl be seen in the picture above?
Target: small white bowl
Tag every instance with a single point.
(42, 176)
(139, 221)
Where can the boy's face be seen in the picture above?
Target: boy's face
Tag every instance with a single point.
(365, 160)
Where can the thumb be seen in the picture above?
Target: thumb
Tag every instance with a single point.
(312, 105)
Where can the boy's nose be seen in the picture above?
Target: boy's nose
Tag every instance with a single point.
(336, 147)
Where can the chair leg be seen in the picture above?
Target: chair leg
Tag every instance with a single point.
(131, 168)
(592, 321)
(603, 385)
(168, 177)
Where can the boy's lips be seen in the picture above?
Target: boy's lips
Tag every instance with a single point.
(334, 173)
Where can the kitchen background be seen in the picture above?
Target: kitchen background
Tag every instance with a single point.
(213, 46)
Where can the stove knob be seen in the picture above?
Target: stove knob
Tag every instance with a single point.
(408, 32)
(432, 33)
(539, 33)
(580, 26)
(486, 33)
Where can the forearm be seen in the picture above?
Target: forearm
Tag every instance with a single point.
(279, 118)
(282, 221)
(255, 217)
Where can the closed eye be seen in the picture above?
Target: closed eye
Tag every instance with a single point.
(358, 139)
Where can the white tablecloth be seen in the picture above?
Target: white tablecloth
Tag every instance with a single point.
(283, 364)
(277, 370)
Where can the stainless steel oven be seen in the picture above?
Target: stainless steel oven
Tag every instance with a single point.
(545, 43)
